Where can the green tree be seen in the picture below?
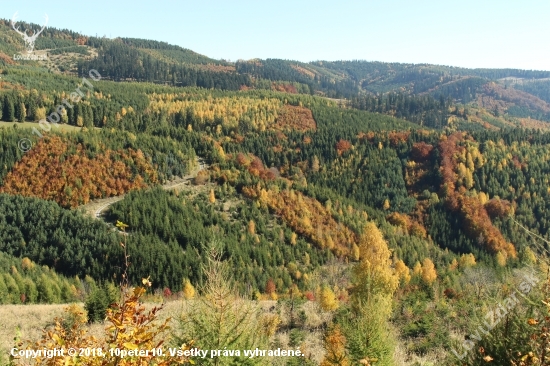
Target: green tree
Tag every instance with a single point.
(45, 291)
(3, 291)
(31, 291)
(21, 112)
(99, 300)
(220, 319)
(366, 326)
(8, 110)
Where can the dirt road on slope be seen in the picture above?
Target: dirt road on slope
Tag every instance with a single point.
(96, 207)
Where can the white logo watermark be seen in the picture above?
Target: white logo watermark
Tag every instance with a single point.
(29, 41)
(494, 317)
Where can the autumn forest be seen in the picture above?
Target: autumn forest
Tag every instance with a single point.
(361, 212)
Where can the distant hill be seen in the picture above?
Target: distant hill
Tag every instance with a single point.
(511, 93)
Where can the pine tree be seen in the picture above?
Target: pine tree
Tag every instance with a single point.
(3, 291)
(293, 238)
(45, 291)
(355, 252)
(220, 319)
(96, 305)
(22, 112)
(13, 288)
(375, 282)
(9, 110)
(31, 292)
(251, 227)
(369, 336)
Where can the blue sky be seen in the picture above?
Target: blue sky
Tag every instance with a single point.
(468, 33)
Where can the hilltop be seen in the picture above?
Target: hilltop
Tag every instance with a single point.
(507, 94)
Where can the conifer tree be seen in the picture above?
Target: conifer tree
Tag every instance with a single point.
(9, 110)
(315, 164)
(3, 291)
(220, 319)
(251, 227)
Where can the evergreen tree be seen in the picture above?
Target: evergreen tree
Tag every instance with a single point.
(219, 319)
(8, 110)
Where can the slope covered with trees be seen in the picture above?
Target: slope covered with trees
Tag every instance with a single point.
(394, 214)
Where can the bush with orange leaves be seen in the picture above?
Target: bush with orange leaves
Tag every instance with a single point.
(498, 208)
(129, 328)
(342, 146)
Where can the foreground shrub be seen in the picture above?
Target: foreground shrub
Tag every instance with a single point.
(128, 328)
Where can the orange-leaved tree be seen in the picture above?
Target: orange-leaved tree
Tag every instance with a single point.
(335, 347)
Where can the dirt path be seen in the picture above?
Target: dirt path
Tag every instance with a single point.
(96, 207)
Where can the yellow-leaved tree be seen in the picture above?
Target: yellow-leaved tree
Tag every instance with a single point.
(402, 271)
(368, 333)
(327, 299)
(128, 328)
(188, 290)
(374, 273)
(466, 261)
(429, 274)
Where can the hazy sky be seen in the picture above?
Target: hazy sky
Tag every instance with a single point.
(468, 33)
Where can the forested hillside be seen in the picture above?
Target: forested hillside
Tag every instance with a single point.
(397, 202)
